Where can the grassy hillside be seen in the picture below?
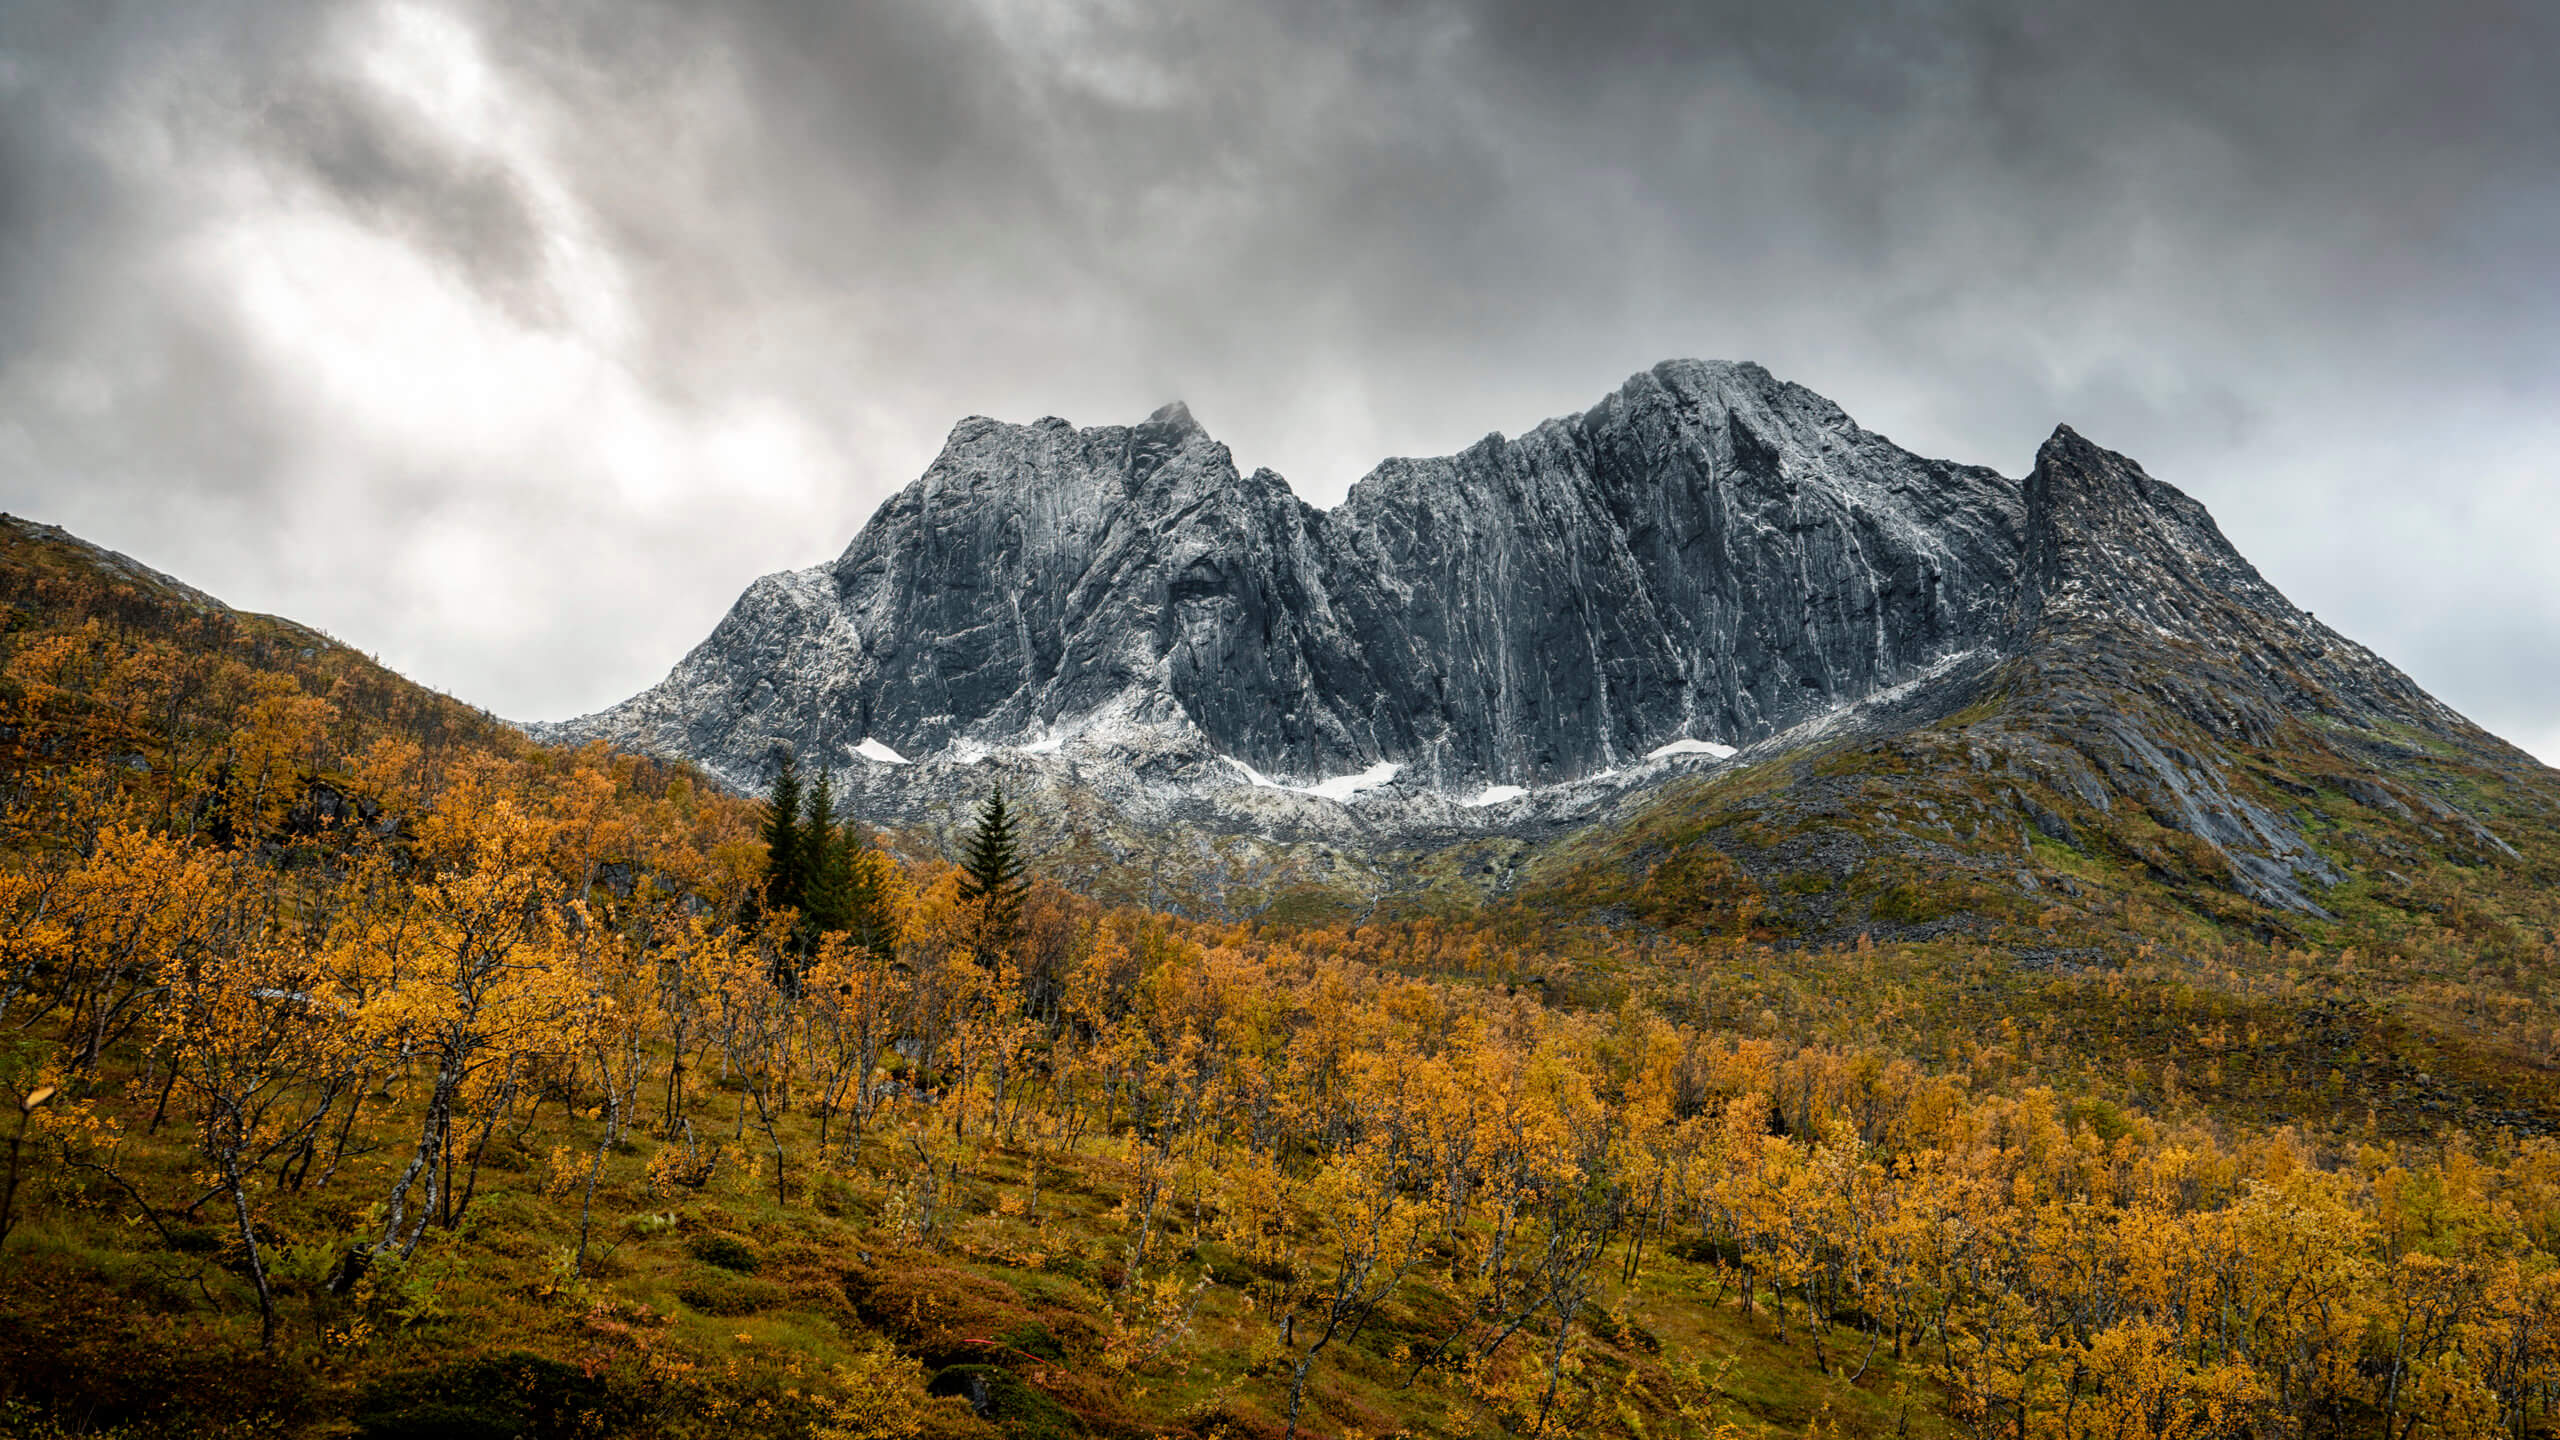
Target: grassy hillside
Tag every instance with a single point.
(2415, 994)
(380, 1073)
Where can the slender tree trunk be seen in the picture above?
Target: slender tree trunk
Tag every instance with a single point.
(1298, 1389)
(422, 1164)
(1555, 1370)
(443, 1208)
(238, 1186)
(471, 1181)
(346, 1127)
(9, 1185)
(161, 1110)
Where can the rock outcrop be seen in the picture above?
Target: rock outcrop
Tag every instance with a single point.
(2150, 656)
(1710, 553)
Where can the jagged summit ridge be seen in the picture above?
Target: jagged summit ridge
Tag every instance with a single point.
(2150, 656)
(1709, 553)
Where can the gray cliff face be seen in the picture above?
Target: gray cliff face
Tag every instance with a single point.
(2115, 555)
(1041, 574)
(1709, 554)
(1035, 575)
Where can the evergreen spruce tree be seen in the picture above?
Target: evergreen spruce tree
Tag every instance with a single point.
(868, 919)
(785, 876)
(825, 864)
(991, 872)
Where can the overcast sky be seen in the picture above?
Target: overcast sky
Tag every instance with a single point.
(510, 341)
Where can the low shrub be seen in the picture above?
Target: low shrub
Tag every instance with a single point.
(716, 1292)
(495, 1397)
(726, 1251)
(999, 1395)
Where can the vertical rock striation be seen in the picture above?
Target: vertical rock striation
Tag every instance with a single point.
(1709, 554)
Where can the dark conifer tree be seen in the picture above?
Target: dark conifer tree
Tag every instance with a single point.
(785, 877)
(868, 919)
(991, 871)
(825, 866)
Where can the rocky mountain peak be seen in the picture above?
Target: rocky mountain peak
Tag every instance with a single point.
(2155, 665)
(1173, 416)
(2112, 550)
(2104, 537)
(1527, 634)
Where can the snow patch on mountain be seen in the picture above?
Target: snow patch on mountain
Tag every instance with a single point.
(1708, 748)
(1340, 788)
(1343, 787)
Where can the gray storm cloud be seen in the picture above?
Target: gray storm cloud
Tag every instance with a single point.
(509, 342)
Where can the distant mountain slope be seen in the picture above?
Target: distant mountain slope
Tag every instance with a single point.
(2153, 656)
(183, 663)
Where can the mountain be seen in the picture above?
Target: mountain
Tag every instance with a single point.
(1710, 554)
(2154, 656)
(1527, 639)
